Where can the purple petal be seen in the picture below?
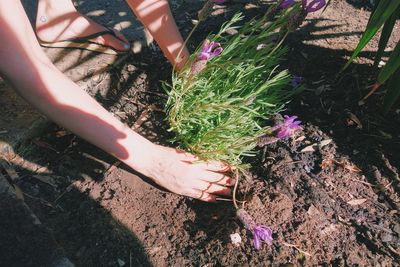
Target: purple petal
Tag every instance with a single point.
(292, 118)
(286, 4)
(216, 52)
(265, 233)
(315, 5)
(283, 134)
(287, 128)
(213, 46)
(210, 50)
(256, 241)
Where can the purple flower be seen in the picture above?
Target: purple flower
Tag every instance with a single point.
(313, 6)
(287, 128)
(210, 50)
(286, 4)
(260, 232)
(264, 233)
(296, 81)
(218, 2)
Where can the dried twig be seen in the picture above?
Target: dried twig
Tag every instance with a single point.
(297, 248)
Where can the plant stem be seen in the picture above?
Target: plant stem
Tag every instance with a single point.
(185, 43)
(279, 44)
(235, 189)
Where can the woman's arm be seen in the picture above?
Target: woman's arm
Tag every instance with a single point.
(25, 66)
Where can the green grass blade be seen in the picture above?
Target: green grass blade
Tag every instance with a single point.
(393, 92)
(386, 33)
(391, 66)
(382, 13)
(376, 3)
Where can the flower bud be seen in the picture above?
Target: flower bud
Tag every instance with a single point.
(206, 10)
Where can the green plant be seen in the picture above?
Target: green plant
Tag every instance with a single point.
(218, 105)
(220, 112)
(385, 13)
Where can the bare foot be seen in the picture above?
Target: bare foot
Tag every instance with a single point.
(58, 20)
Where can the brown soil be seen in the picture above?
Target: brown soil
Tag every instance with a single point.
(337, 204)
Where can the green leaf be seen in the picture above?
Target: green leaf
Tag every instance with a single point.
(385, 35)
(393, 92)
(376, 3)
(382, 13)
(391, 66)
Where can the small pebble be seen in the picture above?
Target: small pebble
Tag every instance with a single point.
(236, 239)
(387, 237)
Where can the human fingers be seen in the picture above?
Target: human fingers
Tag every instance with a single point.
(212, 188)
(203, 196)
(217, 178)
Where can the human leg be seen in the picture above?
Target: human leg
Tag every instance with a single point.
(58, 20)
(157, 18)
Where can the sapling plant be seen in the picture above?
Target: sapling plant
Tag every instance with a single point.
(220, 102)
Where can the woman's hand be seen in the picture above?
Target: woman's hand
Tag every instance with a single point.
(182, 173)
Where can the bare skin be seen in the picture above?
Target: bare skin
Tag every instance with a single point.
(157, 17)
(58, 20)
(34, 77)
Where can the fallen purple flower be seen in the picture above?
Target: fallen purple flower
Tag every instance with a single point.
(260, 232)
(210, 50)
(313, 6)
(287, 128)
(264, 233)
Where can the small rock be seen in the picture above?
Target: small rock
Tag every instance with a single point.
(313, 211)
(387, 237)
(307, 169)
(131, 68)
(236, 239)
